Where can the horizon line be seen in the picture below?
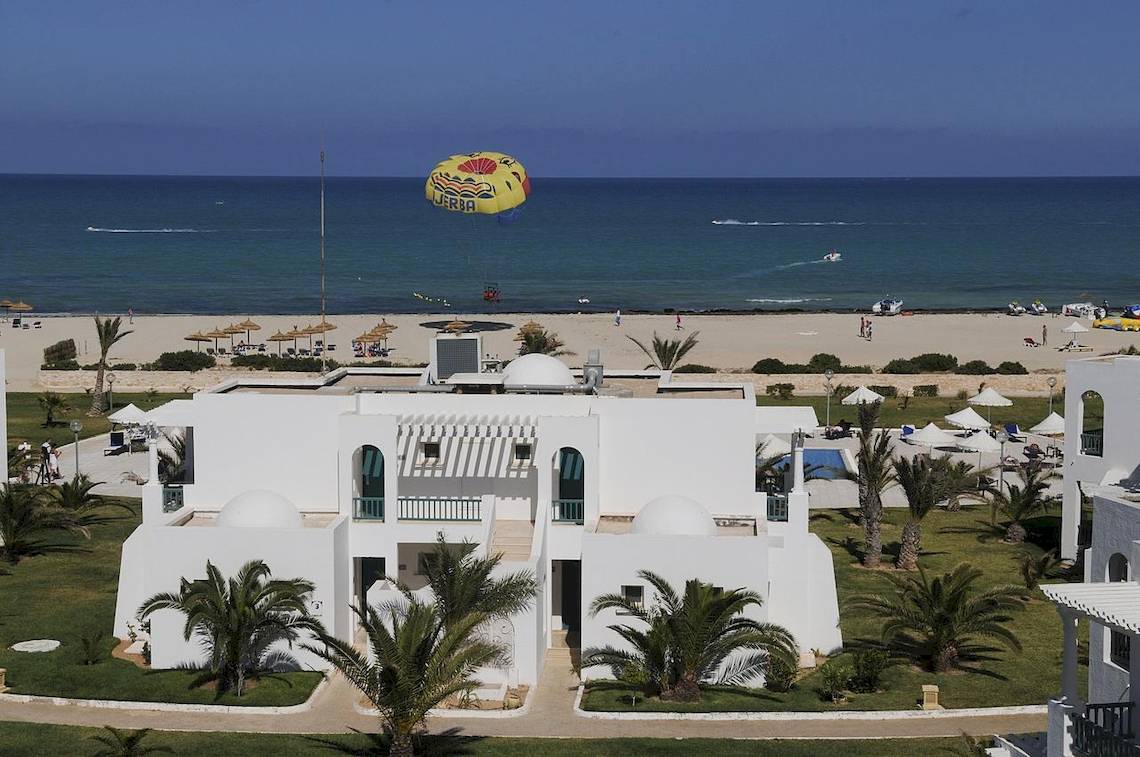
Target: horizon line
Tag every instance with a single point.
(579, 178)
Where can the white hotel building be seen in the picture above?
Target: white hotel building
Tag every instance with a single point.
(583, 480)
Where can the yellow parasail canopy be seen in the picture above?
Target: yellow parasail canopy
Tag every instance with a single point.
(478, 182)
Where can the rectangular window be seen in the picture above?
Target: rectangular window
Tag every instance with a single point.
(523, 454)
(423, 560)
(635, 595)
(430, 452)
(1120, 649)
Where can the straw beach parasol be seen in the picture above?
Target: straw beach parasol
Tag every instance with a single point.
(216, 334)
(279, 338)
(20, 307)
(198, 337)
(295, 334)
(249, 326)
(232, 330)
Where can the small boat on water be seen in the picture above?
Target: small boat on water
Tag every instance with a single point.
(887, 306)
(832, 257)
(1015, 308)
(583, 300)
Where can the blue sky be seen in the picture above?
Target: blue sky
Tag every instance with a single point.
(615, 88)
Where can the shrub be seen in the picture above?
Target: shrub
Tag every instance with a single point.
(867, 670)
(124, 367)
(962, 394)
(934, 362)
(856, 369)
(783, 391)
(1012, 368)
(834, 678)
(184, 360)
(886, 391)
(92, 648)
(694, 368)
(780, 675)
(925, 390)
(899, 365)
(89, 367)
(769, 365)
(275, 363)
(822, 361)
(974, 368)
(61, 351)
(63, 365)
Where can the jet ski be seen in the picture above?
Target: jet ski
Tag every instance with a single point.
(1037, 307)
(832, 257)
(1015, 308)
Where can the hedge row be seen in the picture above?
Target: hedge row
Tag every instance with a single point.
(820, 362)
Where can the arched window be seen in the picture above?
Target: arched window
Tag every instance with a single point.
(1119, 644)
(1092, 424)
(569, 503)
(371, 472)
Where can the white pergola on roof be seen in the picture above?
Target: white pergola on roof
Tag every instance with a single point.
(440, 425)
(1116, 604)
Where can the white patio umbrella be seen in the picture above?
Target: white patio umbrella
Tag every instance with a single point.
(932, 436)
(129, 415)
(862, 395)
(980, 442)
(967, 418)
(989, 397)
(1053, 425)
(1076, 327)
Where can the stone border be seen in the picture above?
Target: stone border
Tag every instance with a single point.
(973, 712)
(463, 714)
(217, 709)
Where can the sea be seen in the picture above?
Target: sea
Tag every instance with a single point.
(160, 244)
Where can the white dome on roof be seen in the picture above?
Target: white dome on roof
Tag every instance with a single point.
(673, 515)
(259, 508)
(537, 370)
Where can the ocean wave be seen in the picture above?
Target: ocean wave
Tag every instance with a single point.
(149, 231)
(788, 301)
(736, 222)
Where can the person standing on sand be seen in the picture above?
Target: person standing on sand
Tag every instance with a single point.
(868, 331)
(862, 327)
(1044, 335)
(679, 326)
(617, 317)
(131, 315)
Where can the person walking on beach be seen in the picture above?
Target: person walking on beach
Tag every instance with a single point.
(1044, 335)
(868, 331)
(131, 315)
(617, 317)
(862, 327)
(678, 327)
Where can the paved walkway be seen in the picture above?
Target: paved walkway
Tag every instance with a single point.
(551, 715)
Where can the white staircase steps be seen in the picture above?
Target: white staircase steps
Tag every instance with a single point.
(513, 539)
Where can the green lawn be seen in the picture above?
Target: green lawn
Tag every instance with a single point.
(1008, 678)
(70, 596)
(1025, 411)
(26, 419)
(27, 739)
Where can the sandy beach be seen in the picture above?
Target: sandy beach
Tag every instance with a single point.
(730, 343)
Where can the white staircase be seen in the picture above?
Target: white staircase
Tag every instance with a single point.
(513, 539)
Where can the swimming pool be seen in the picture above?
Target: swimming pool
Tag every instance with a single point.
(829, 463)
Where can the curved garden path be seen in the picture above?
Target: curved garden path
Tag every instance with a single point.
(550, 715)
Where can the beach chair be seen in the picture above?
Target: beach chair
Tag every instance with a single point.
(906, 431)
(1031, 342)
(331, 347)
(16, 323)
(1014, 432)
(210, 351)
(37, 325)
(117, 444)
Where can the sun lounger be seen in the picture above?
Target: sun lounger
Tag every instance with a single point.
(15, 323)
(37, 325)
(1031, 342)
(906, 431)
(1014, 432)
(117, 444)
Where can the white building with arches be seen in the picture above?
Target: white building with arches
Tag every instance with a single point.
(583, 478)
(1102, 462)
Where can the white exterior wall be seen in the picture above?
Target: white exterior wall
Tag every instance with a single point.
(4, 412)
(1117, 380)
(1116, 529)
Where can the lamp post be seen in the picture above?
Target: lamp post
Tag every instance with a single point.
(828, 374)
(76, 427)
(110, 392)
(1002, 437)
(1052, 382)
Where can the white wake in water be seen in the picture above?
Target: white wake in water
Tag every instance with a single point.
(789, 300)
(149, 231)
(735, 222)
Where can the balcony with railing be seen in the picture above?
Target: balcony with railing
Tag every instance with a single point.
(1105, 730)
(368, 508)
(572, 511)
(778, 508)
(172, 498)
(440, 508)
(1092, 444)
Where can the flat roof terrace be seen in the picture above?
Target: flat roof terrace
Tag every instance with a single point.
(199, 519)
(623, 524)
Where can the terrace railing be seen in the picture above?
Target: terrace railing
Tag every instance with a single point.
(568, 511)
(1105, 730)
(172, 498)
(778, 508)
(440, 508)
(1092, 444)
(368, 508)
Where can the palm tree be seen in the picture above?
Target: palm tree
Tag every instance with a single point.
(462, 583)
(963, 482)
(172, 461)
(925, 483)
(238, 620)
(76, 497)
(692, 638)
(542, 342)
(52, 403)
(1019, 503)
(874, 473)
(1035, 567)
(666, 354)
(26, 517)
(936, 620)
(108, 332)
(123, 743)
(416, 661)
